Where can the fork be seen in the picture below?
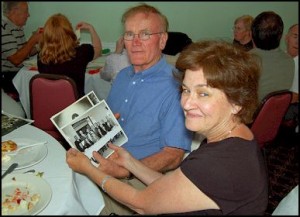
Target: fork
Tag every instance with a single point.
(24, 147)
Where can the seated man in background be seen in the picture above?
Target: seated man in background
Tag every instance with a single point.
(242, 32)
(291, 40)
(14, 47)
(115, 62)
(277, 71)
(146, 96)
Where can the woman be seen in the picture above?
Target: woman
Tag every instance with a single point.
(60, 52)
(226, 175)
(242, 32)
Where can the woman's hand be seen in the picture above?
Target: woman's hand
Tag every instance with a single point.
(84, 26)
(78, 161)
(114, 165)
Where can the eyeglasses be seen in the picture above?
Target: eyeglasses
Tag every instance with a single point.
(238, 29)
(144, 36)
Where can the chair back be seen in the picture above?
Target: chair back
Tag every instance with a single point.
(49, 94)
(269, 115)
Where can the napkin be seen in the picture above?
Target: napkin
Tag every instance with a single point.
(33, 68)
(94, 71)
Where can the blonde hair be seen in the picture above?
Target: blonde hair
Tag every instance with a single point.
(246, 19)
(59, 42)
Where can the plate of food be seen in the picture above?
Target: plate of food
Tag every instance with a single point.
(26, 157)
(24, 194)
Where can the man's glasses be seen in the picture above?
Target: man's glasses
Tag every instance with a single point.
(144, 36)
(238, 29)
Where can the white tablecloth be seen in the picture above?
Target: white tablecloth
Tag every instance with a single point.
(72, 193)
(92, 82)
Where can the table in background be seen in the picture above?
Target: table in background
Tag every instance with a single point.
(72, 193)
(92, 82)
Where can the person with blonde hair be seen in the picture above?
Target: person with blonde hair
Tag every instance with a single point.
(226, 175)
(61, 53)
(242, 32)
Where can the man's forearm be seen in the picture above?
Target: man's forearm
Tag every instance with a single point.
(165, 160)
(18, 57)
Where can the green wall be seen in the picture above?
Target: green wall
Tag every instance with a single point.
(200, 20)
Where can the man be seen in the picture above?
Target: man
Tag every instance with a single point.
(147, 98)
(242, 32)
(291, 40)
(277, 71)
(14, 48)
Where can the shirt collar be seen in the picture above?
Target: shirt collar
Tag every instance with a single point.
(150, 71)
(11, 23)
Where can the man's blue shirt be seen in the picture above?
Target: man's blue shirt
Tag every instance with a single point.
(149, 105)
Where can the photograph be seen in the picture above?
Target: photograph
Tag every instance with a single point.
(89, 125)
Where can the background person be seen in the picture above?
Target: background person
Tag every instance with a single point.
(242, 32)
(61, 52)
(14, 47)
(277, 67)
(226, 175)
(292, 42)
(115, 62)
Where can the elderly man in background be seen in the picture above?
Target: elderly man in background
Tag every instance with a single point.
(14, 47)
(291, 40)
(277, 67)
(242, 32)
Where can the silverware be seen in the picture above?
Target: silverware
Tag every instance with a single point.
(10, 169)
(24, 147)
(30, 171)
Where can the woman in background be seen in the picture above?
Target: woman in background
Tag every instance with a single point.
(242, 32)
(61, 53)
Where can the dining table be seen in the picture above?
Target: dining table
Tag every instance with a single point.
(93, 81)
(72, 193)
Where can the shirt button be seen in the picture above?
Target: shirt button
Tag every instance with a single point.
(133, 82)
(142, 80)
(126, 100)
(122, 119)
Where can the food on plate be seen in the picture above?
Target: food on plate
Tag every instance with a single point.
(21, 200)
(5, 158)
(8, 145)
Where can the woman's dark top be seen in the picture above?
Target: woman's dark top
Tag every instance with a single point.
(232, 173)
(74, 68)
(247, 46)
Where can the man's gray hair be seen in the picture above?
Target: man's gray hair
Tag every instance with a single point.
(8, 6)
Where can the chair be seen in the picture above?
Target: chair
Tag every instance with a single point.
(269, 115)
(176, 42)
(49, 94)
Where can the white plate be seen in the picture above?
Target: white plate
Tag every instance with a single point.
(26, 157)
(34, 184)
